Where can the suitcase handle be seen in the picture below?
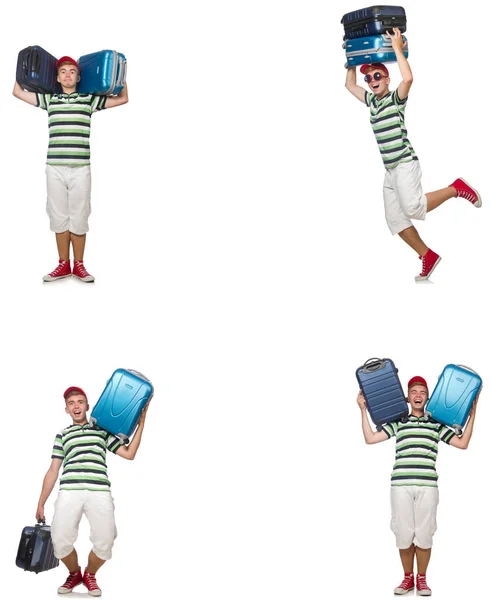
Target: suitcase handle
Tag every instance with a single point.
(369, 367)
(121, 77)
(35, 61)
(142, 376)
(467, 368)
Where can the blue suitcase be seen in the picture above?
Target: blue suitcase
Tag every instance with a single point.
(368, 50)
(35, 551)
(451, 401)
(36, 70)
(119, 406)
(374, 21)
(102, 73)
(381, 387)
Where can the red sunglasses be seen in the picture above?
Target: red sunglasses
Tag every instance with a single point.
(377, 77)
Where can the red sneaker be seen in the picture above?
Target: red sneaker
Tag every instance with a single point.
(406, 585)
(72, 581)
(463, 190)
(422, 588)
(429, 263)
(61, 271)
(80, 271)
(90, 583)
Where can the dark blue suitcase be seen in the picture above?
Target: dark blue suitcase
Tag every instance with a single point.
(35, 551)
(374, 20)
(368, 50)
(36, 70)
(381, 387)
(102, 73)
(451, 401)
(119, 406)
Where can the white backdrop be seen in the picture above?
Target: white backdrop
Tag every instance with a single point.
(243, 263)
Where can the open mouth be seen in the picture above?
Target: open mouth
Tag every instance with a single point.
(418, 402)
(375, 86)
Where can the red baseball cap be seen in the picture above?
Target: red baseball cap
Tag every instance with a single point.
(366, 68)
(74, 388)
(417, 380)
(66, 59)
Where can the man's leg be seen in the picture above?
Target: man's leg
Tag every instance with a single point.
(63, 245)
(423, 558)
(407, 559)
(71, 561)
(95, 563)
(435, 199)
(411, 237)
(78, 245)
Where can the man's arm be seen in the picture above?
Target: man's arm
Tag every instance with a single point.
(121, 98)
(405, 70)
(370, 436)
(48, 485)
(463, 441)
(351, 85)
(29, 97)
(130, 451)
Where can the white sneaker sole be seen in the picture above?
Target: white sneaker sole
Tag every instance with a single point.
(403, 592)
(419, 278)
(89, 279)
(47, 278)
(478, 203)
(62, 591)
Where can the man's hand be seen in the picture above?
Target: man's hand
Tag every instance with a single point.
(40, 513)
(397, 39)
(361, 401)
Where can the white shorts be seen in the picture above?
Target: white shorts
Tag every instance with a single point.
(98, 507)
(413, 515)
(403, 196)
(69, 198)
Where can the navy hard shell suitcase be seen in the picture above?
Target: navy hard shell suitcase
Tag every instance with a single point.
(36, 70)
(381, 387)
(119, 406)
(35, 551)
(374, 21)
(368, 50)
(102, 73)
(451, 401)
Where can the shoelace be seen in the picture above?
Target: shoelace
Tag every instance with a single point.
(422, 583)
(91, 581)
(81, 269)
(424, 266)
(407, 583)
(58, 269)
(70, 579)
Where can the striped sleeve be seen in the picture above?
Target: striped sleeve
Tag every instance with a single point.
(390, 429)
(397, 100)
(446, 434)
(369, 97)
(43, 100)
(98, 103)
(58, 451)
(113, 443)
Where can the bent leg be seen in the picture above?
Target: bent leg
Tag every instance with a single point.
(411, 237)
(65, 524)
(99, 510)
(435, 199)
(71, 561)
(94, 563)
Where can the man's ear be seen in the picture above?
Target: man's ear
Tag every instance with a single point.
(88, 407)
(78, 78)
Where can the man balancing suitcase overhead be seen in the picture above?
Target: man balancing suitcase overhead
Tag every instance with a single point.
(84, 489)
(404, 199)
(68, 175)
(414, 492)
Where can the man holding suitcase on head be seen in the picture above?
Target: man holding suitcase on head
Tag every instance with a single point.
(403, 196)
(84, 489)
(414, 492)
(68, 173)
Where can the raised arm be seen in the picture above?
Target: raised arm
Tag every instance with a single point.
(29, 97)
(405, 70)
(121, 98)
(48, 485)
(370, 436)
(351, 85)
(129, 451)
(463, 441)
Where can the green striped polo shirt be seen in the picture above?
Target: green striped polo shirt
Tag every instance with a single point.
(416, 450)
(69, 123)
(83, 451)
(388, 124)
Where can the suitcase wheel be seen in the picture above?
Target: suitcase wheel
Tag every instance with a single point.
(458, 430)
(379, 428)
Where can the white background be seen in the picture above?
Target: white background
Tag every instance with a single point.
(243, 263)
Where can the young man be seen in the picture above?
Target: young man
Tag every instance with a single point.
(84, 489)
(403, 196)
(68, 174)
(414, 492)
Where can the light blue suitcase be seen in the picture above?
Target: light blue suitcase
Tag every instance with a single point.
(368, 50)
(453, 396)
(119, 406)
(102, 73)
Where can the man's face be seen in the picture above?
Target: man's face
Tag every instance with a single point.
(68, 76)
(76, 406)
(417, 396)
(378, 86)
